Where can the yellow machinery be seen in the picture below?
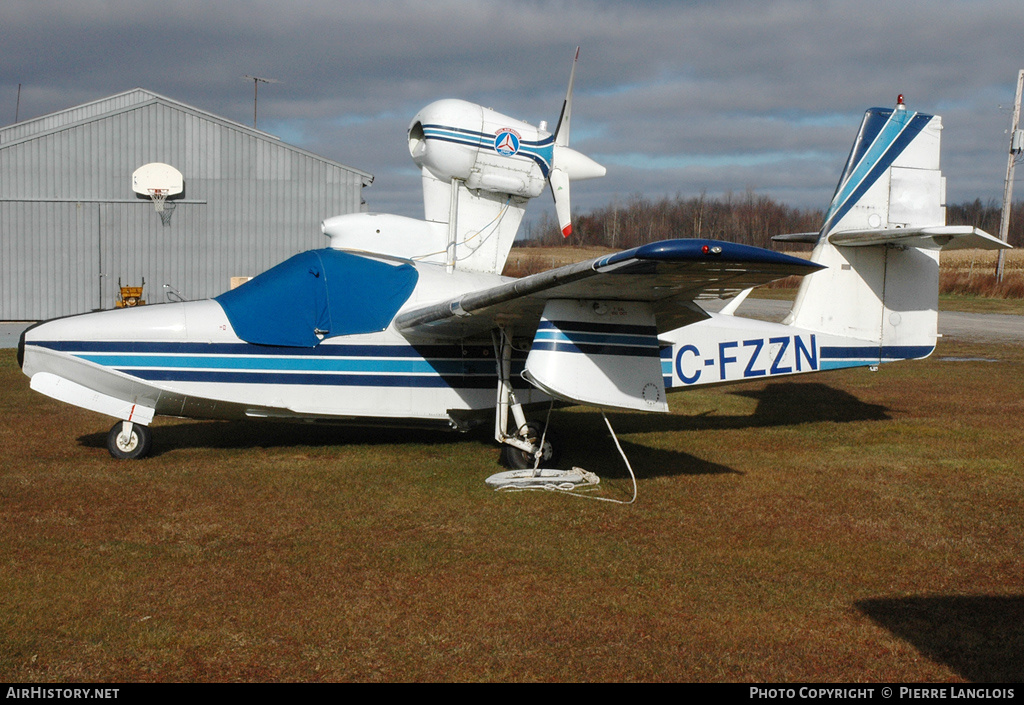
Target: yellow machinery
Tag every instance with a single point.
(128, 296)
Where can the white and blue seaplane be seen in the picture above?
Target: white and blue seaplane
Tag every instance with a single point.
(408, 322)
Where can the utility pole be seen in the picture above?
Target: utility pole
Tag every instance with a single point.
(256, 80)
(1016, 147)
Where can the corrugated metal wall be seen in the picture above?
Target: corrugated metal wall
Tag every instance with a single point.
(71, 226)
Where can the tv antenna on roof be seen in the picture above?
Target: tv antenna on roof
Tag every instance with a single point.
(256, 80)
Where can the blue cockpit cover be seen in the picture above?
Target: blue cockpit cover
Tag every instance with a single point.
(315, 295)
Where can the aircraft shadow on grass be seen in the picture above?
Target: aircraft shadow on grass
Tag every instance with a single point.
(240, 435)
(778, 404)
(981, 637)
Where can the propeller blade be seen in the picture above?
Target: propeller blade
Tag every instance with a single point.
(559, 178)
(562, 128)
(559, 181)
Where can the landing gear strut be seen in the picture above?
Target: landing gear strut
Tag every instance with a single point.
(530, 446)
(129, 441)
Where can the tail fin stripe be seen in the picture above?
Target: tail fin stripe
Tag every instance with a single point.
(898, 132)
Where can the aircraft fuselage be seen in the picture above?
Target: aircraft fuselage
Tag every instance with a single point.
(185, 360)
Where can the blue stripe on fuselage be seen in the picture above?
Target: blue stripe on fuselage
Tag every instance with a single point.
(346, 350)
(316, 379)
(359, 365)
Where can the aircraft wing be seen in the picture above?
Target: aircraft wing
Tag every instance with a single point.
(669, 276)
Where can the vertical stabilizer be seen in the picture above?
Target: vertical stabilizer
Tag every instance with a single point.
(892, 177)
(879, 291)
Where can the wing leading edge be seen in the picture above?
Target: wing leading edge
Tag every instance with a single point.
(670, 275)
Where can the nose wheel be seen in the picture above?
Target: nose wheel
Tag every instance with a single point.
(129, 441)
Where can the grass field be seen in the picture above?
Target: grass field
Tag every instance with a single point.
(849, 526)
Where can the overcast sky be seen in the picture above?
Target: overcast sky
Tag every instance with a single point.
(673, 97)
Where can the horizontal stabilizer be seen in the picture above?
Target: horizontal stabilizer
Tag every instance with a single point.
(671, 275)
(803, 238)
(939, 237)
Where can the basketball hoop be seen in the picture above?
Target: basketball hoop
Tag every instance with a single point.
(158, 181)
(159, 196)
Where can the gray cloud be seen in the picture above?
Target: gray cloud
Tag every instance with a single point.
(677, 97)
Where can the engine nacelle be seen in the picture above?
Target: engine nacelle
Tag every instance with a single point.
(455, 139)
(479, 169)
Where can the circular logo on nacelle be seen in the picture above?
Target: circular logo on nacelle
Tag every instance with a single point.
(506, 142)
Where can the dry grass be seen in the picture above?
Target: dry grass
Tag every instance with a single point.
(523, 261)
(982, 260)
(973, 273)
(842, 527)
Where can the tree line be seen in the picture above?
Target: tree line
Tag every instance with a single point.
(748, 218)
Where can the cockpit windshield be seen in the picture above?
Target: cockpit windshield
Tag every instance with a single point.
(317, 295)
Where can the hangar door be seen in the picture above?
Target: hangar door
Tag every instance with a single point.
(50, 259)
(60, 258)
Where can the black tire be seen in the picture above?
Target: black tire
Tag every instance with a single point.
(138, 446)
(516, 459)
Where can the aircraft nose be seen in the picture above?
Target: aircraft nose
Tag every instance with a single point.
(21, 350)
(21, 344)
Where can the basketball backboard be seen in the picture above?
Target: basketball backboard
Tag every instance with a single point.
(157, 181)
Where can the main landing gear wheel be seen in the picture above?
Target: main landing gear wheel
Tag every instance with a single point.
(517, 459)
(132, 445)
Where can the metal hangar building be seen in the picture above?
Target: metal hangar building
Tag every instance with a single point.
(74, 228)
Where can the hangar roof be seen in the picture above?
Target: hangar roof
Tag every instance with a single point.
(132, 100)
